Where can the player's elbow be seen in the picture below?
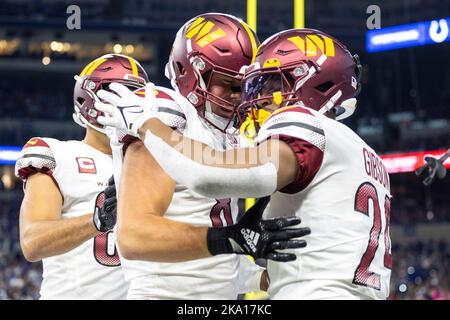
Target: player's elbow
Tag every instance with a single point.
(126, 250)
(32, 243)
(30, 250)
(126, 243)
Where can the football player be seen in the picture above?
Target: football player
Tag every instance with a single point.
(156, 217)
(301, 82)
(62, 182)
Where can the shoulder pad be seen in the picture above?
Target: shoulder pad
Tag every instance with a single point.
(159, 94)
(170, 112)
(36, 156)
(296, 122)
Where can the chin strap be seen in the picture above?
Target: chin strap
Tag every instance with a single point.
(248, 128)
(330, 103)
(344, 110)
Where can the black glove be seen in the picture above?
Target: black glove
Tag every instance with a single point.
(105, 210)
(433, 168)
(258, 238)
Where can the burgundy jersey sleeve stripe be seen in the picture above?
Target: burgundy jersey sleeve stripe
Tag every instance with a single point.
(35, 142)
(309, 159)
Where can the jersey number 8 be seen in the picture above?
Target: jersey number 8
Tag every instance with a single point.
(105, 251)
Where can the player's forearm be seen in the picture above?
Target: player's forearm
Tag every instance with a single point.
(182, 144)
(153, 238)
(201, 153)
(42, 239)
(235, 176)
(159, 129)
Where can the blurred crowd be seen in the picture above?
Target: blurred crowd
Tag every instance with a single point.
(421, 271)
(28, 100)
(19, 279)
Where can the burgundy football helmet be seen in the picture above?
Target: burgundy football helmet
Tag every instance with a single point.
(209, 45)
(305, 67)
(98, 75)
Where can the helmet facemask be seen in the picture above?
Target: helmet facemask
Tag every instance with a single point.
(269, 88)
(218, 111)
(266, 89)
(91, 85)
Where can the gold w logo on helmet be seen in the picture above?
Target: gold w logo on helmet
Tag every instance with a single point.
(202, 28)
(309, 47)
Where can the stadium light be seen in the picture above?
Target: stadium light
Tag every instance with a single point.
(409, 162)
(9, 154)
(117, 48)
(408, 35)
(46, 61)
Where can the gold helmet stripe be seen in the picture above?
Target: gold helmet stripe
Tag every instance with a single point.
(195, 27)
(252, 39)
(92, 66)
(134, 67)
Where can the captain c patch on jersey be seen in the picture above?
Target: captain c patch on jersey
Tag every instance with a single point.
(86, 165)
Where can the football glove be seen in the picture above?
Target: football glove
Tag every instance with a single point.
(124, 109)
(258, 238)
(432, 168)
(105, 211)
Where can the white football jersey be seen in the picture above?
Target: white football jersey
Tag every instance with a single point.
(209, 278)
(91, 270)
(342, 193)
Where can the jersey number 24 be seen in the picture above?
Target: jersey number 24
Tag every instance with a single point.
(367, 191)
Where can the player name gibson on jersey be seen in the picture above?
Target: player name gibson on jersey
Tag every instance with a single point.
(375, 168)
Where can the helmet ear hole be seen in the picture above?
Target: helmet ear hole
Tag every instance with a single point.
(324, 87)
(222, 50)
(80, 100)
(206, 77)
(290, 78)
(180, 68)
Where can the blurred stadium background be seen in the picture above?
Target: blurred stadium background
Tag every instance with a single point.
(404, 106)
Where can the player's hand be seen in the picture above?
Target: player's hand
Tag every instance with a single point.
(433, 168)
(258, 238)
(105, 211)
(124, 109)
